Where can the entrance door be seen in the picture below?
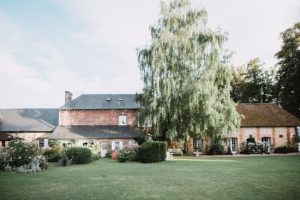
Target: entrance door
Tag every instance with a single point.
(233, 144)
(104, 148)
(197, 145)
(267, 144)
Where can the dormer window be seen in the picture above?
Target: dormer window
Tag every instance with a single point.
(122, 120)
(108, 99)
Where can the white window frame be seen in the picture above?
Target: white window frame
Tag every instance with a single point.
(113, 145)
(233, 143)
(122, 120)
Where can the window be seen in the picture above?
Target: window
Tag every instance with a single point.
(41, 143)
(122, 120)
(104, 145)
(280, 136)
(116, 145)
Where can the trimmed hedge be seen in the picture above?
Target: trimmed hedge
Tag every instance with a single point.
(79, 155)
(285, 150)
(152, 151)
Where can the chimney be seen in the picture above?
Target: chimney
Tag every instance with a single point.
(68, 97)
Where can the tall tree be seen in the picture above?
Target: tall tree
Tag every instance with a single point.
(186, 81)
(289, 70)
(253, 84)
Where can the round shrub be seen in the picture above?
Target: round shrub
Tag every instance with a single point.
(152, 151)
(79, 155)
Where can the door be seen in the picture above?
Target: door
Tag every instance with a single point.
(104, 148)
(267, 144)
(233, 144)
(197, 145)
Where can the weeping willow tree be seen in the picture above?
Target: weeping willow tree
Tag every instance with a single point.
(186, 81)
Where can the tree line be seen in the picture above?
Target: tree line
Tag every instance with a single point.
(278, 84)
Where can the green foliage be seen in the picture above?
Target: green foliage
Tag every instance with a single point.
(285, 150)
(21, 153)
(253, 84)
(229, 152)
(3, 159)
(186, 80)
(216, 148)
(53, 142)
(53, 154)
(253, 147)
(128, 153)
(152, 151)
(79, 155)
(289, 70)
(251, 140)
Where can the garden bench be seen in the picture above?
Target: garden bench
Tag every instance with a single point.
(175, 151)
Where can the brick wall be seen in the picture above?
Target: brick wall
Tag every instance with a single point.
(96, 117)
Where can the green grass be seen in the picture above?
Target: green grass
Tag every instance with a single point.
(205, 178)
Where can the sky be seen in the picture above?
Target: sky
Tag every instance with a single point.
(90, 46)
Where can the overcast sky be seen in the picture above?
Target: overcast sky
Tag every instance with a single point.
(89, 46)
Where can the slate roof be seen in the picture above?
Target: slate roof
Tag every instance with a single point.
(266, 115)
(102, 101)
(95, 132)
(28, 120)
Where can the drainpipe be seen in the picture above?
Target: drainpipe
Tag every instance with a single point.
(298, 137)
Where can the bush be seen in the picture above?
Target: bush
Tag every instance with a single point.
(96, 157)
(285, 150)
(21, 153)
(3, 159)
(53, 154)
(152, 151)
(216, 148)
(53, 143)
(128, 153)
(79, 155)
(253, 147)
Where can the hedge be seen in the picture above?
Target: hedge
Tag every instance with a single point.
(152, 151)
(79, 155)
(285, 150)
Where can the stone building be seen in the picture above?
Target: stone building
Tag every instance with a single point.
(109, 120)
(266, 122)
(33, 125)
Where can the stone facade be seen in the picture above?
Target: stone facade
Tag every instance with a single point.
(278, 137)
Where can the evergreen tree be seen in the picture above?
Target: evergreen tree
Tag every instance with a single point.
(186, 81)
(289, 70)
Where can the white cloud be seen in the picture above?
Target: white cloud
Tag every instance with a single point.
(254, 26)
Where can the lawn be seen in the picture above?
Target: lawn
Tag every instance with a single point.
(205, 178)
